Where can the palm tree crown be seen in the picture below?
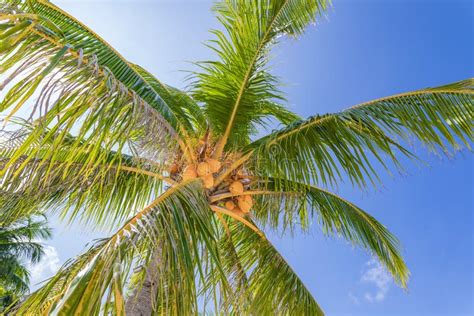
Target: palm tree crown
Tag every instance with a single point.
(182, 174)
(18, 246)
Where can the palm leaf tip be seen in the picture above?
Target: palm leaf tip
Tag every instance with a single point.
(269, 285)
(324, 149)
(349, 221)
(301, 204)
(237, 90)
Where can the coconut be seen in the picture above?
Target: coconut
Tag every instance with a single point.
(248, 198)
(238, 211)
(208, 181)
(203, 169)
(230, 205)
(189, 172)
(236, 187)
(245, 203)
(174, 168)
(214, 164)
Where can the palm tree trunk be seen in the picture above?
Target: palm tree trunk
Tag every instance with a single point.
(140, 303)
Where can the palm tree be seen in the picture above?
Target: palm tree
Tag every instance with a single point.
(182, 176)
(17, 248)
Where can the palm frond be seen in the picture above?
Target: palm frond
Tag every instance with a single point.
(187, 111)
(266, 284)
(13, 275)
(324, 149)
(280, 112)
(233, 88)
(75, 93)
(25, 229)
(18, 247)
(177, 223)
(284, 204)
(19, 239)
(65, 178)
(87, 43)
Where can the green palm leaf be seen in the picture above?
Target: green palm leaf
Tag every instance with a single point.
(188, 112)
(301, 204)
(234, 88)
(87, 43)
(270, 285)
(83, 84)
(19, 246)
(177, 222)
(64, 179)
(323, 149)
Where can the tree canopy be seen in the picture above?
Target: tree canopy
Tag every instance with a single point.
(182, 176)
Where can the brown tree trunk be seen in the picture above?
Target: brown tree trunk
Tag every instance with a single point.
(140, 303)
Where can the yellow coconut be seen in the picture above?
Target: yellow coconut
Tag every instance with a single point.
(245, 203)
(236, 187)
(230, 205)
(248, 198)
(189, 172)
(203, 169)
(208, 181)
(238, 211)
(214, 164)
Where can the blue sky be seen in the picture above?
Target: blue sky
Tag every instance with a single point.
(361, 51)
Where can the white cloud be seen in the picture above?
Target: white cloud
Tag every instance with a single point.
(378, 280)
(46, 268)
(379, 277)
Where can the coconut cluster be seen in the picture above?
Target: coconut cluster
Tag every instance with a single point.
(241, 203)
(207, 170)
(203, 170)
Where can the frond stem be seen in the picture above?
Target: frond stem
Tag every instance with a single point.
(413, 93)
(148, 209)
(76, 55)
(145, 172)
(223, 141)
(232, 167)
(118, 168)
(225, 211)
